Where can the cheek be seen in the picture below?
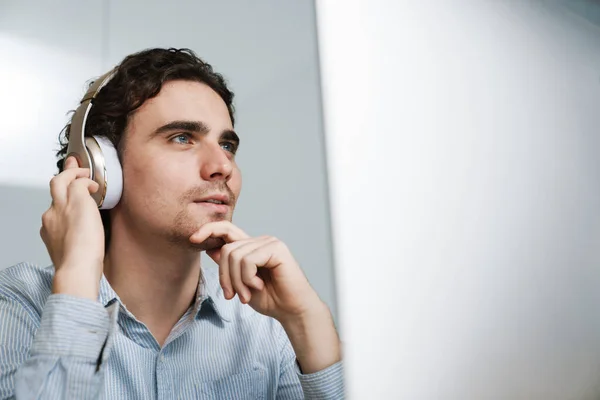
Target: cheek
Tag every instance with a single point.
(235, 183)
(148, 183)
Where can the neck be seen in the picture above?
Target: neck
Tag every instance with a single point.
(156, 281)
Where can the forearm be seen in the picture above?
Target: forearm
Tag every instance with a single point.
(314, 339)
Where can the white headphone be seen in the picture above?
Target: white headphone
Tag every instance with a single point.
(96, 153)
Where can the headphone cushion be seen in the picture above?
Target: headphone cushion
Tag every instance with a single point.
(114, 173)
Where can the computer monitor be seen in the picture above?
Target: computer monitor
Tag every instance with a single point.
(463, 148)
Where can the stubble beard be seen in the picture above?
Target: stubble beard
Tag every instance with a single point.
(184, 226)
(185, 223)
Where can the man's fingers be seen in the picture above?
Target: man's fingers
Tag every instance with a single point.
(233, 277)
(81, 187)
(243, 273)
(229, 270)
(248, 264)
(224, 279)
(237, 268)
(217, 256)
(244, 262)
(221, 229)
(252, 281)
(60, 183)
(71, 162)
(236, 280)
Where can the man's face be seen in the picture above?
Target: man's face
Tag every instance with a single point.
(179, 161)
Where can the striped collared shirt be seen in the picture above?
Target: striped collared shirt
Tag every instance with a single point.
(56, 346)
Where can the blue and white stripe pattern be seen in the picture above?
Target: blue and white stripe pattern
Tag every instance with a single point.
(60, 347)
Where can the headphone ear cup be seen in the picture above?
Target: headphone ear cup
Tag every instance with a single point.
(107, 172)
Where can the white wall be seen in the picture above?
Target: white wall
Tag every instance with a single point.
(48, 53)
(463, 149)
(267, 51)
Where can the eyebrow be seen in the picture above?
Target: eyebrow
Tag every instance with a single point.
(196, 127)
(230, 135)
(189, 126)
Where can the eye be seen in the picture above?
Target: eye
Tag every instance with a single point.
(182, 138)
(229, 146)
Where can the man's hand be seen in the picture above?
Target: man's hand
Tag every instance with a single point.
(265, 275)
(73, 234)
(261, 270)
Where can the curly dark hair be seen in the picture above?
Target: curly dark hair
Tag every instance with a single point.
(139, 77)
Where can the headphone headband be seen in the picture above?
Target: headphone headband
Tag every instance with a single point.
(88, 151)
(98, 84)
(78, 122)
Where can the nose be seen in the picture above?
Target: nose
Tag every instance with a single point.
(216, 165)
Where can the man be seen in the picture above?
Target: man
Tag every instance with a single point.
(126, 311)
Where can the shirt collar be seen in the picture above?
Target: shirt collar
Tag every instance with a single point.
(107, 295)
(209, 293)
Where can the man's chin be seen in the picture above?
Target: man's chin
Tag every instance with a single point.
(212, 243)
(202, 219)
(218, 217)
(188, 228)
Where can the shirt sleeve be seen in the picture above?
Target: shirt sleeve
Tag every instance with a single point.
(327, 384)
(63, 357)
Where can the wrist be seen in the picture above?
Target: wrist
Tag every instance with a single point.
(76, 282)
(314, 338)
(314, 314)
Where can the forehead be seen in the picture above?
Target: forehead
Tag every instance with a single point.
(183, 100)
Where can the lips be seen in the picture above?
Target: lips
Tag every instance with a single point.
(212, 201)
(222, 199)
(218, 203)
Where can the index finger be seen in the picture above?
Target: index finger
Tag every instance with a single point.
(59, 184)
(71, 162)
(221, 229)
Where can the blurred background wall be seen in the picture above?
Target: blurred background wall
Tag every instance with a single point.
(267, 50)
